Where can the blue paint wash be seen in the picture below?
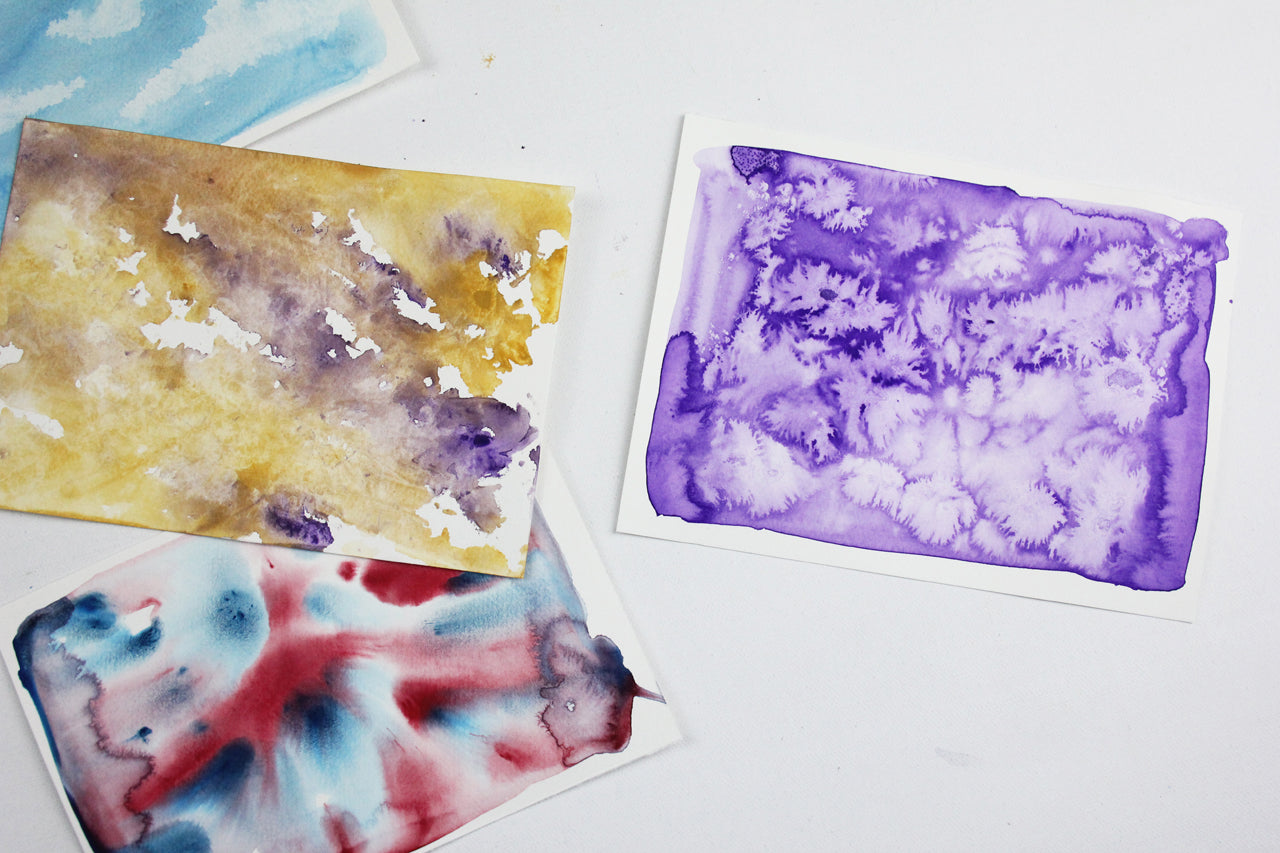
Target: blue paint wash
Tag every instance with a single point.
(92, 82)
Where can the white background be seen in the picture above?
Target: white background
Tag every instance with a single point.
(826, 708)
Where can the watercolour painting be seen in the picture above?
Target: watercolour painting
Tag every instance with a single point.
(211, 695)
(208, 70)
(249, 345)
(918, 368)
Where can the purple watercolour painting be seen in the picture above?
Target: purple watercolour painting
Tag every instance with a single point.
(919, 368)
(200, 694)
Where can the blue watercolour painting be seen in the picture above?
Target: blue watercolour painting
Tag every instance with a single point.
(207, 70)
(973, 380)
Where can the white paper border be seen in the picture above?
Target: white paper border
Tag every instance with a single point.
(636, 515)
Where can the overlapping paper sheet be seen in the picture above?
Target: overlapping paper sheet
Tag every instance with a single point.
(257, 346)
(205, 694)
(914, 367)
(214, 71)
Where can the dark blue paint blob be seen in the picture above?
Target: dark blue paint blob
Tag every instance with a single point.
(466, 582)
(175, 695)
(237, 615)
(144, 642)
(305, 529)
(448, 718)
(316, 721)
(93, 613)
(221, 779)
(180, 837)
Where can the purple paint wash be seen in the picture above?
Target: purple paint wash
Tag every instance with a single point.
(907, 363)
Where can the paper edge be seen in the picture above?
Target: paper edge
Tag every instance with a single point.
(401, 55)
(637, 516)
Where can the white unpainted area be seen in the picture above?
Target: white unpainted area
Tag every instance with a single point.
(174, 225)
(138, 293)
(130, 264)
(44, 423)
(518, 386)
(521, 291)
(272, 356)
(550, 241)
(515, 286)
(473, 331)
(176, 331)
(348, 282)
(317, 219)
(124, 236)
(444, 515)
(418, 313)
(342, 327)
(139, 620)
(10, 354)
(451, 378)
(362, 346)
(345, 329)
(349, 539)
(362, 239)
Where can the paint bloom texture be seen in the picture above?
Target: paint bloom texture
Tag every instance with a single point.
(906, 363)
(211, 695)
(294, 351)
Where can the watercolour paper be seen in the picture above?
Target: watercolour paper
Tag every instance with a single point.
(294, 351)
(917, 368)
(209, 70)
(214, 695)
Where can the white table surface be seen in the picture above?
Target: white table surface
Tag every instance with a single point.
(823, 708)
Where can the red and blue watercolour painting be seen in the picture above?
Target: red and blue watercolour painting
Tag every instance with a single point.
(213, 695)
(871, 358)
